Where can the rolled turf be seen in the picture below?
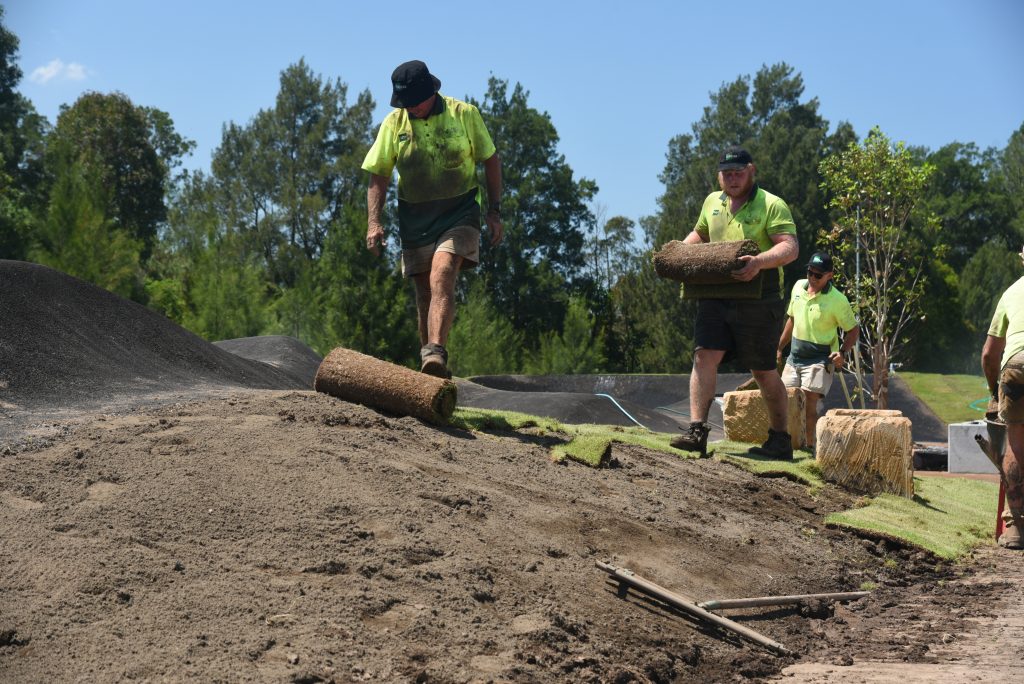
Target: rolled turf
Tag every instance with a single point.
(366, 380)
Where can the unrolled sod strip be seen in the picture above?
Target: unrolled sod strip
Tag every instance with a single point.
(366, 380)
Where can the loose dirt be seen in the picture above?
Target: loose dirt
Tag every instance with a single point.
(289, 536)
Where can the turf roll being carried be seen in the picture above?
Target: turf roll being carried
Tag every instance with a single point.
(705, 268)
(704, 263)
(365, 380)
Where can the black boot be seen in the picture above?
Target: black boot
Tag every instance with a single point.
(779, 445)
(694, 438)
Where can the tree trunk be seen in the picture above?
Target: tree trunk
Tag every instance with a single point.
(880, 379)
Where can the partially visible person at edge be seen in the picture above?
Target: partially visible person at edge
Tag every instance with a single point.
(1002, 360)
(435, 142)
(817, 310)
(748, 329)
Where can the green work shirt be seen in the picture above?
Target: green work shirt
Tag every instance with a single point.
(760, 217)
(816, 321)
(1008, 320)
(436, 160)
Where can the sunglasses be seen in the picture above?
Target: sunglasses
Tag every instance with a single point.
(814, 274)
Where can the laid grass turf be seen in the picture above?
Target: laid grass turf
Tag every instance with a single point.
(953, 398)
(947, 516)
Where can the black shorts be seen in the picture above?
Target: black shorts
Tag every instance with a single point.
(746, 329)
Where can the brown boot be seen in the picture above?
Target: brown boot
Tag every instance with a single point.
(434, 359)
(1011, 538)
(694, 438)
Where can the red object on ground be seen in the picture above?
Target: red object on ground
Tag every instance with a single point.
(1000, 526)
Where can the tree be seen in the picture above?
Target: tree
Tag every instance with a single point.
(482, 341)
(78, 238)
(610, 250)
(545, 215)
(992, 269)
(21, 136)
(876, 189)
(577, 349)
(120, 144)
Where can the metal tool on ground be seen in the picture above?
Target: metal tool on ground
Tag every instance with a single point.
(627, 578)
(725, 604)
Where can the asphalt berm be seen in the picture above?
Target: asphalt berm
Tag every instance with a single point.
(173, 511)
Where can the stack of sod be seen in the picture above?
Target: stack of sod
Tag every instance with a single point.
(745, 416)
(362, 379)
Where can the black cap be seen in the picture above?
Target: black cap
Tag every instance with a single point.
(821, 261)
(734, 158)
(412, 83)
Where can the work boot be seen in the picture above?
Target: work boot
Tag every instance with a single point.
(434, 359)
(779, 445)
(694, 438)
(1011, 538)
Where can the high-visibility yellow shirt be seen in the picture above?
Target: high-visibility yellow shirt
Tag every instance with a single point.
(436, 158)
(1008, 320)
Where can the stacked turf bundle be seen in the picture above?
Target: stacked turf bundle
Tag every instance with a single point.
(869, 451)
(362, 379)
(745, 416)
(705, 268)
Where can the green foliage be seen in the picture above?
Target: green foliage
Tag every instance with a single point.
(227, 292)
(652, 321)
(113, 140)
(76, 236)
(482, 341)
(577, 349)
(875, 189)
(21, 134)
(545, 215)
(992, 269)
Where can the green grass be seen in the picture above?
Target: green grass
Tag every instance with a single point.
(947, 516)
(950, 396)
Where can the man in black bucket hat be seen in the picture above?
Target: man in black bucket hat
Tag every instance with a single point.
(747, 329)
(435, 142)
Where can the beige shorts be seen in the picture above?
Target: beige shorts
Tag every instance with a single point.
(461, 240)
(814, 378)
(1011, 390)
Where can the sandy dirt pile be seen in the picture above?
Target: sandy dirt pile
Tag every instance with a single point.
(175, 517)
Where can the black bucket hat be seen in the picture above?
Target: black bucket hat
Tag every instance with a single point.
(734, 158)
(821, 261)
(412, 83)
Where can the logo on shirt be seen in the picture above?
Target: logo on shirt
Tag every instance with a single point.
(403, 137)
(716, 212)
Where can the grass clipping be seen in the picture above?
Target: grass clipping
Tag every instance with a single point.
(366, 380)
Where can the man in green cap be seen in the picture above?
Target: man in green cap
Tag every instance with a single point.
(817, 311)
(435, 142)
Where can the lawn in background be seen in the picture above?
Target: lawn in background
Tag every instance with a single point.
(950, 397)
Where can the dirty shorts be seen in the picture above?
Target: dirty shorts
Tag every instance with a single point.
(1011, 390)
(816, 377)
(462, 240)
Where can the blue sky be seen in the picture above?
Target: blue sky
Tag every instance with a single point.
(618, 79)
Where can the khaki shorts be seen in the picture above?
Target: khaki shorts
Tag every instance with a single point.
(1011, 390)
(814, 378)
(461, 240)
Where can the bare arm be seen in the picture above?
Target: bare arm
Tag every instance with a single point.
(787, 335)
(492, 178)
(850, 338)
(375, 196)
(693, 238)
(785, 248)
(991, 355)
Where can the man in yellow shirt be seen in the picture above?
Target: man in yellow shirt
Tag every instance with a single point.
(746, 329)
(817, 310)
(435, 142)
(1002, 360)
